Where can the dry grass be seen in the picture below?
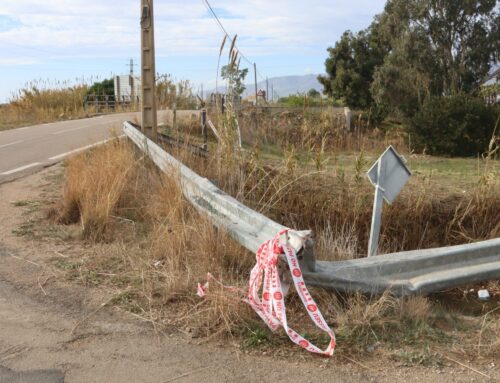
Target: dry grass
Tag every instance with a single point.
(337, 204)
(95, 188)
(160, 248)
(36, 105)
(314, 131)
(42, 101)
(290, 173)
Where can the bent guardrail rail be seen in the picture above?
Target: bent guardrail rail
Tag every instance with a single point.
(404, 273)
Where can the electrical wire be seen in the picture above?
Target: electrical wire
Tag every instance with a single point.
(212, 12)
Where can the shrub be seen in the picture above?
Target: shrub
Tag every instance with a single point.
(459, 125)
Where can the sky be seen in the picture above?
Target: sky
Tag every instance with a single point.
(59, 42)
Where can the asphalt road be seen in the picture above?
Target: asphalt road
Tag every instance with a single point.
(26, 150)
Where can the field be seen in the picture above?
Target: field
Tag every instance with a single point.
(148, 248)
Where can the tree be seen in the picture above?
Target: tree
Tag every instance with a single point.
(313, 93)
(407, 77)
(351, 64)
(235, 78)
(438, 48)
(458, 125)
(106, 87)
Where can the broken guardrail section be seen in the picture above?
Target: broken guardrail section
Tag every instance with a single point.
(404, 273)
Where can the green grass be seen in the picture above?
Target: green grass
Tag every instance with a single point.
(455, 173)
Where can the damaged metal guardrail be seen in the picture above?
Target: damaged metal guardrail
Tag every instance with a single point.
(404, 273)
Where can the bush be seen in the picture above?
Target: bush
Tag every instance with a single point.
(459, 125)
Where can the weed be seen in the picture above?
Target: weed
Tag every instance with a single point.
(255, 337)
(424, 357)
(25, 229)
(21, 203)
(65, 264)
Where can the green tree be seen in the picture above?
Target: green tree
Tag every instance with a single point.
(235, 78)
(104, 87)
(458, 125)
(438, 48)
(351, 64)
(313, 93)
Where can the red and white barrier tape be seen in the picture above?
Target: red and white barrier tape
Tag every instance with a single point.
(271, 307)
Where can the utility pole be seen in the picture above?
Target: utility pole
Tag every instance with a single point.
(132, 85)
(272, 92)
(148, 70)
(256, 97)
(131, 64)
(267, 89)
(255, 78)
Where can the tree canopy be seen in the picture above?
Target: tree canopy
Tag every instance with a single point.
(414, 50)
(106, 87)
(235, 78)
(351, 64)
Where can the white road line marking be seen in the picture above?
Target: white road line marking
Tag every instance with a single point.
(71, 130)
(12, 143)
(20, 169)
(59, 156)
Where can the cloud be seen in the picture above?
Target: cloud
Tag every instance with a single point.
(111, 28)
(7, 23)
(14, 61)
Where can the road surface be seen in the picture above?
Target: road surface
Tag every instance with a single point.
(26, 150)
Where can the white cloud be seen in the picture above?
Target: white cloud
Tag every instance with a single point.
(111, 28)
(11, 61)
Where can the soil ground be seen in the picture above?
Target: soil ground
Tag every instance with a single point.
(46, 323)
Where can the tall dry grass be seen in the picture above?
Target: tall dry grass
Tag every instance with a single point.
(315, 130)
(35, 104)
(95, 187)
(160, 238)
(159, 247)
(336, 202)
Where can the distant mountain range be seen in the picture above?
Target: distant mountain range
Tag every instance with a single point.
(283, 86)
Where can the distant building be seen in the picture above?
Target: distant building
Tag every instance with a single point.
(127, 88)
(491, 88)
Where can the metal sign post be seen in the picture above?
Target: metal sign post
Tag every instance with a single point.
(389, 175)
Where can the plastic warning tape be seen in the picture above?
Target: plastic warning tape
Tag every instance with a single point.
(270, 306)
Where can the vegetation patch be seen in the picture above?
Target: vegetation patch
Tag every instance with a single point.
(150, 247)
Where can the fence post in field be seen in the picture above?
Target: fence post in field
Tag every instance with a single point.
(148, 71)
(255, 80)
(347, 114)
(174, 119)
(256, 122)
(204, 128)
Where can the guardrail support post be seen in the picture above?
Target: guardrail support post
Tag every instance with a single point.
(309, 258)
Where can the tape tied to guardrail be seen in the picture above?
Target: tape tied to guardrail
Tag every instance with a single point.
(271, 305)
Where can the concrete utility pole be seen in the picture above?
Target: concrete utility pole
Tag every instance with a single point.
(255, 78)
(148, 70)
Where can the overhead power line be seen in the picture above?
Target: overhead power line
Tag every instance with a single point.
(224, 30)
